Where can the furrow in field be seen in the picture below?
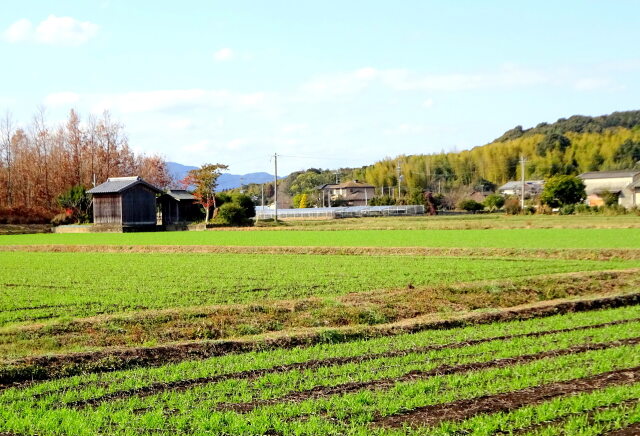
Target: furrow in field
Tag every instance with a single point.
(574, 254)
(56, 366)
(631, 430)
(159, 387)
(382, 384)
(588, 413)
(505, 402)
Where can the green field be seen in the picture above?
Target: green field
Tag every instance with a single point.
(450, 326)
(379, 386)
(86, 284)
(497, 238)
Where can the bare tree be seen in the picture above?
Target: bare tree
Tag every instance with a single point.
(6, 133)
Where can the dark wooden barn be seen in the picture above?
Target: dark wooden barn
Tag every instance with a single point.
(125, 201)
(179, 207)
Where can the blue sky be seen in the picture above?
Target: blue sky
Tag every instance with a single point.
(325, 84)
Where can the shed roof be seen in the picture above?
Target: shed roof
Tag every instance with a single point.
(180, 194)
(609, 174)
(114, 185)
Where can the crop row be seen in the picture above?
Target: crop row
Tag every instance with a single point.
(280, 360)
(499, 238)
(351, 412)
(321, 400)
(85, 284)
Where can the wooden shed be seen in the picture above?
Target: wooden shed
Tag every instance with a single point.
(125, 201)
(178, 207)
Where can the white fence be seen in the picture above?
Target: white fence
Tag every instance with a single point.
(340, 212)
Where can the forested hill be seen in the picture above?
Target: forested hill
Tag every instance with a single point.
(568, 146)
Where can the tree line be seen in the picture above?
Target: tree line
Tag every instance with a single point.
(40, 161)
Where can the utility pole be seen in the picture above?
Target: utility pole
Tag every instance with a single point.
(522, 162)
(275, 184)
(398, 171)
(262, 197)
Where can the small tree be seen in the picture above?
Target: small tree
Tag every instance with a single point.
(494, 201)
(76, 203)
(512, 206)
(204, 180)
(304, 201)
(562, 190)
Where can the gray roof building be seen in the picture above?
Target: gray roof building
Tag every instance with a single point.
(115, 185)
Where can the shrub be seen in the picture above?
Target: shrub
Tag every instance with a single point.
(512, 206)
(494, 201)
(232, 214)
(567, 209)
(470, 205)
(583, 209)
(245, 202)
(76, 203)
(382, 201)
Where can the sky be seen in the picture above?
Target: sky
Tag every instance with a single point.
(324, 84)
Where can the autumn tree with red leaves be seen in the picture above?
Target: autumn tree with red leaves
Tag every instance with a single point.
(204, 181)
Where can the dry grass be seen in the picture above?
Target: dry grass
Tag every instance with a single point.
(146, 328)
(575, 253)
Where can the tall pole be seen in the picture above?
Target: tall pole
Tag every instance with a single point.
(275, 184)
(262, 197)
(522, 162)
(398, 170)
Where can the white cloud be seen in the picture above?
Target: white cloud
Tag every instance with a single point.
(62, 99)
(21, 30)
(147, 101)
(52, 31)
(224, 54)
(506, 77)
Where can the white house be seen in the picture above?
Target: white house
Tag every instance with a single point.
(623, 183)
(531, 188)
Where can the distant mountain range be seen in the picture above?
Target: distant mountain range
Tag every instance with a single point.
(226, 181)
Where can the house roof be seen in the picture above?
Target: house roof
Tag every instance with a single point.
(352, 184)
(114, 185)
(326, 185)
(609, 174)
(180, 194)
(518, 184)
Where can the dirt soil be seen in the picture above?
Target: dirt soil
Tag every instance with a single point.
(464, 409)
(573, 254)
(632, 430)
(381, 384)
(156, 388)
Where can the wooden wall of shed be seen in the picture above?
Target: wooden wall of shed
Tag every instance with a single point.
(107, 209)
(138, 206)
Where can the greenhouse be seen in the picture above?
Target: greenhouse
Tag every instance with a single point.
(263, 213)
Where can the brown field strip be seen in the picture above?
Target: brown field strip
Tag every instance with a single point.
(632, 430)
(64, 365)
(382, 384)
(464, 409)
(573, 254)
(156, 388)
